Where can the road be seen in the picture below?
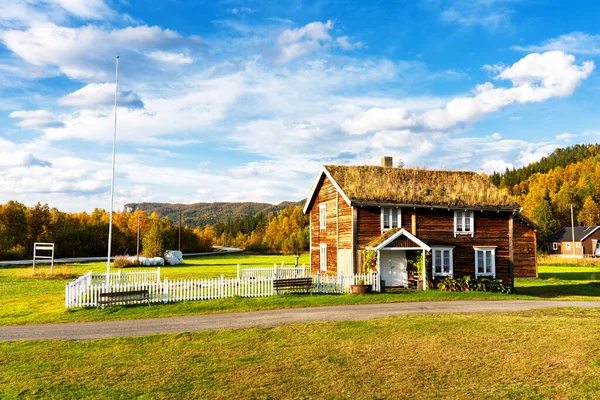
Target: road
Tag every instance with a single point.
(222, 250)
(195, 323)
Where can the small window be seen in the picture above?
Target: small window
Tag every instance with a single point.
(442, 261)
(568, 245)
(485, 261)
(390, 218)
(323, 216)
(578, 244)
(464, 223)
(323, 258)
(554, 246)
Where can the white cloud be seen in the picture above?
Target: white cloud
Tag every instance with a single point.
(243, 10)
(36, 119)
(86, 53)
(565, 137)
(574, 42)
(101, 94)
(86, 9)
(170, 58)
(345, 44)
(293, 43)
(535, 78)
(488, 14)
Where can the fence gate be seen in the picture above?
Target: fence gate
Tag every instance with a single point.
(44, 247)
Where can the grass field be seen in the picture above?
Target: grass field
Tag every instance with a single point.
(25, 299)
(535, 355)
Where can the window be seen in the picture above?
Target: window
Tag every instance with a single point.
(323, 216)
(554, 246)
(568, 245)
(390, 218)
(485, 261)
(323, 258)
(464, 223)
(578, 244)
(441, 261)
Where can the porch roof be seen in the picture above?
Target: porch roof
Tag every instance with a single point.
(388, 237)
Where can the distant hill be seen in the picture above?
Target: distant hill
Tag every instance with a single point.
(201, 214)
(558, 158)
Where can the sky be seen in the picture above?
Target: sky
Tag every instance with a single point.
(244, 101)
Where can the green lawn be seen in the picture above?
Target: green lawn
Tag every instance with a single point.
(534, 355)
(25, 299)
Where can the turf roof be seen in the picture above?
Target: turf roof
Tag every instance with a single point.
(418, 187)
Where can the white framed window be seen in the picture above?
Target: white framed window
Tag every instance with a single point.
(390, 218)
(441, 261)
(323, 257)
(554, 246)
(485, 261)
(568, 245)
(464, 223)
(323, 216)
(578, 244)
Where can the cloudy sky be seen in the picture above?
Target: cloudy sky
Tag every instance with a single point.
(242, 101)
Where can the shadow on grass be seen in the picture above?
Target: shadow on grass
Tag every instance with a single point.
(561, 290)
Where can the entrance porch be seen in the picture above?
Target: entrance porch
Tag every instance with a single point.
(393, 254)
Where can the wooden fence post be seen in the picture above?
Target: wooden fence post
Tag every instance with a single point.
(166, 290)
(238, 271)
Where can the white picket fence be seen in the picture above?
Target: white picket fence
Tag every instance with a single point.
(122, 277)
(338, 284)
(82, 292)
(281, 272)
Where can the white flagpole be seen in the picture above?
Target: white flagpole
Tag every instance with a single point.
(112, 183)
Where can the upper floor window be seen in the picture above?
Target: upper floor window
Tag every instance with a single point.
(441, 261)
(464, 223)
(485, 261)
(323, 216)
(554, 246)
(568, 245)
(390, 218)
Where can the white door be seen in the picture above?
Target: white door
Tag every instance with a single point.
(393, 267)
(597, 249)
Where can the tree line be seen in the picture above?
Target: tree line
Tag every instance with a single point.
(86, 234)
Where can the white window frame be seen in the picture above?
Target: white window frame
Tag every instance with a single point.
(492, 270)
(434, 264)
(554, 246)
(392, 224)
(322, 217)
(578, 244)
(568, 246)
(323, 257)
(468, 214)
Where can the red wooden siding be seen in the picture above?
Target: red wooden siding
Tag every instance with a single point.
(524, 250)
(338, 232)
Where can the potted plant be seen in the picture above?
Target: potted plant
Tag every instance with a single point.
(360, 287)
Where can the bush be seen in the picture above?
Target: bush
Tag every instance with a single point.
(124, 262)
(470, 284)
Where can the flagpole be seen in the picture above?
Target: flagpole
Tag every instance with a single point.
(112, 183)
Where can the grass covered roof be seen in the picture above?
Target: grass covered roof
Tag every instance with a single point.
(418, 187)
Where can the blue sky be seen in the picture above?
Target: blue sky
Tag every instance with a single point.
(243, 101)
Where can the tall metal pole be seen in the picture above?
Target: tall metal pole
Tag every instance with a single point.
(572, 232)
(112, 183)
(138, 240)
(179, 230)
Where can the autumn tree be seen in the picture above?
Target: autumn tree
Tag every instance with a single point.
(590, 213)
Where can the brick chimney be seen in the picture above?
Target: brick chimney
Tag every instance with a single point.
(387, 162)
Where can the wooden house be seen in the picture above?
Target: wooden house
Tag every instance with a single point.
(575, 241)
(459, 220)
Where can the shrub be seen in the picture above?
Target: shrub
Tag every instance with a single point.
(370, 261)
(360, 282)
(470, 284)
(124, 262)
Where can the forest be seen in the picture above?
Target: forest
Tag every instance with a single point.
(547, 189)
(86, 235)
